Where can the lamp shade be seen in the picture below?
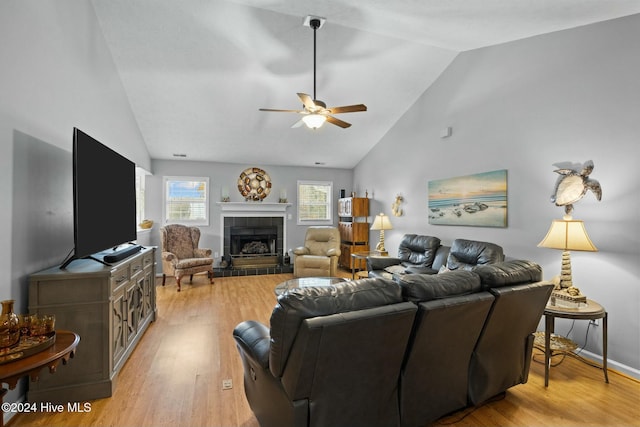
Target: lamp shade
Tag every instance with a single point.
(568, 235)
(314, 121)
(381, 222)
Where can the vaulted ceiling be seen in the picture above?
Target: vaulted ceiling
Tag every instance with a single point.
(196, 72)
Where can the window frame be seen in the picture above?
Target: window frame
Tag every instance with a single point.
(141, 177)
(329, 204)
(165, 200)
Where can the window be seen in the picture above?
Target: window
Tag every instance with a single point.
(315, 203)
(186, 200)
(140, 181)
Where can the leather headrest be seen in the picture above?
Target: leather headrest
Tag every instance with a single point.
(513, 272)
(466, 254)
(322, 234)
(303, 303)
(418, 250)
(427, 287)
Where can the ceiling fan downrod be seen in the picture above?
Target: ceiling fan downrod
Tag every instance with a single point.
(315, 24)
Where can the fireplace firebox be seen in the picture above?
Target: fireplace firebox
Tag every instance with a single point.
(253, 242)
(253, 247)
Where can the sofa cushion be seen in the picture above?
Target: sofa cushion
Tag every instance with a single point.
(406, 268)
(420, 270)
(395, 269)
(512, 272)
(466, 254)
(193, 262)
(418, 250)
(302, 303)
(427, 287)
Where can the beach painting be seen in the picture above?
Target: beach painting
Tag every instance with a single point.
(477, 200)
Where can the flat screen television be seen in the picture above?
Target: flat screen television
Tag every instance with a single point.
(104, 199)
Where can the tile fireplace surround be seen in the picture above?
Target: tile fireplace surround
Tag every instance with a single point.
(253, 215)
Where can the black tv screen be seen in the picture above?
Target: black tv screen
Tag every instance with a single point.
(104, 197)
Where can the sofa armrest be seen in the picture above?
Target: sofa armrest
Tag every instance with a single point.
(202, 252)
(254, 341)
(381, 262)
(333, 252)
(301, 250)
(168, 256)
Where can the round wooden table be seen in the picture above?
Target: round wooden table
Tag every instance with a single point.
(589, 311)
(61, 351)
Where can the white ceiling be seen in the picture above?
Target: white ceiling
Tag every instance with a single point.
(196, 72)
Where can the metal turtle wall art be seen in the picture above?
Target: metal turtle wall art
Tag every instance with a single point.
(573, 183)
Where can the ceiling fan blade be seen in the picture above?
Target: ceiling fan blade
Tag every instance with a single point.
(338, 122)
(347, 109)
(281, 111)
(307, 101)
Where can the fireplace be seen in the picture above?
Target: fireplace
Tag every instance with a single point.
(253, 246)
(253, 242)
(259, 233)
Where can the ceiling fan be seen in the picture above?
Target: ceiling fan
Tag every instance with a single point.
(315, 112)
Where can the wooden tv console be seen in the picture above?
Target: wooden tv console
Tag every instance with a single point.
(110, 307)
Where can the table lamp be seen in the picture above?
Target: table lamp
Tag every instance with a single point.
(381, 222)
(567, 234)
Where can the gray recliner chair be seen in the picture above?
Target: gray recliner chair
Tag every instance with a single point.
(320, 363)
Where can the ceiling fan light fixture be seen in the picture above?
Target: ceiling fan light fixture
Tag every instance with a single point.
(314, 121)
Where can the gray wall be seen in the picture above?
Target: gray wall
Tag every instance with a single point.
(56, 73)
(522, 106)
(226, 175)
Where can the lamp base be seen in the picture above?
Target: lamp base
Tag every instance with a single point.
(564, 298)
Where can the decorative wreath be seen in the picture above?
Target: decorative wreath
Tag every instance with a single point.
(254, 184)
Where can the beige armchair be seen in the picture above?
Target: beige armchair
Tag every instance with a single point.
(319, 255)
(181, 255)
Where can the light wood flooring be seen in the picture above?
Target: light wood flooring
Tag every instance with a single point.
(175, 375)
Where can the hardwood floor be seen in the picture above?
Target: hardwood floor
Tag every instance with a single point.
(175, 375)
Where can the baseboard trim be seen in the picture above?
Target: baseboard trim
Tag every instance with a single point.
(611, 364)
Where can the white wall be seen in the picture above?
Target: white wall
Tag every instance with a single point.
(223, 175)
(56, 73)
(522, 106)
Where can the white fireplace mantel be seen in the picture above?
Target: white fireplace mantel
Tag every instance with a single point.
(249, 207)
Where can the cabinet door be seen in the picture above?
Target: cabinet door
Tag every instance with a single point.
(140, 306)
(149, 297)
(131, 319)
(118, 325)
(346, 231)
(360, 207)
(360, 232)
(345, 256)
